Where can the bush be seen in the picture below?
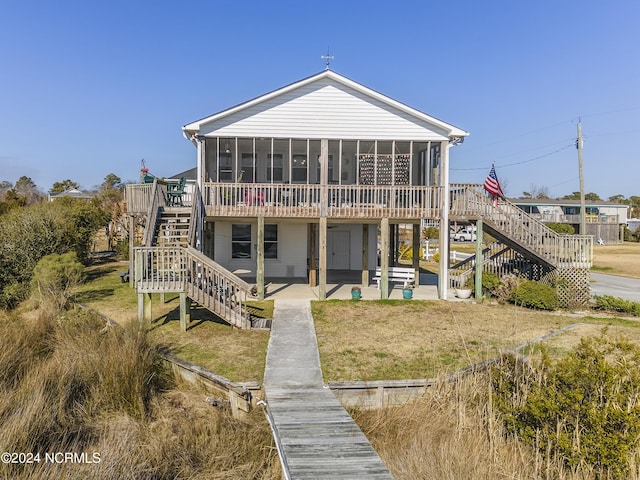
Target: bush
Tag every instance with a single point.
(436, 257)
(56, 277)
(562, 228)
(536, 295)
(616, 304)
(27, 234)
(490, 282)
(584, 409)
(431, 233)
(122, 250)
(505, 288)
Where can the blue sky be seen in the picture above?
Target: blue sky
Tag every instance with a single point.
(91, 88)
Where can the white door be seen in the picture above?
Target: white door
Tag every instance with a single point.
(338, 247)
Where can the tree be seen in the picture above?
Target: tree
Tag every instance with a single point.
(27, 189)
(591, 196)
(5, 186)
(634, 201)
(573, 196)
(111, 198)
(619, 198)
(63, 186)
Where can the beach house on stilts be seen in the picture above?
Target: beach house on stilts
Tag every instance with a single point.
(315, 177)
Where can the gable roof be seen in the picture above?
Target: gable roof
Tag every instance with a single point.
(340, 88)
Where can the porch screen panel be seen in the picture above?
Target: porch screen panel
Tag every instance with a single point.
(226, 161)
(299, 161)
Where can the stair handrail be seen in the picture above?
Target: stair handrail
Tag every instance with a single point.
(235, 309)
(529, 231)
(157, 201)
(194, 236)
(576, 250)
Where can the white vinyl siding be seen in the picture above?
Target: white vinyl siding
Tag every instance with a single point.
(324, 109)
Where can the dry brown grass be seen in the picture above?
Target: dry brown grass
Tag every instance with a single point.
(237, 355)
(618, 259)
(452, 433)
(66, 387)
(383, 340)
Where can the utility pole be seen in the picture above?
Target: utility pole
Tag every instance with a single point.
(583, 208)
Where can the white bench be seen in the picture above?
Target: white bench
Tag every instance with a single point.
(397, 274)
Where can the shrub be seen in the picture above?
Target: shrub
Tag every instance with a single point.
(436, 257)
(30, 233)
(536, 295)
(432, 233)
(505, 288)
(562, 228)
(615, 304)
(55, 277)
(583, 409)
(122, 250)
(490, 282)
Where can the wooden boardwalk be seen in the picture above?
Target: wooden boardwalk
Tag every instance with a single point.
(316, 437)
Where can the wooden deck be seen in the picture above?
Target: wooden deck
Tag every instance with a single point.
(315, 435)
(318, 439)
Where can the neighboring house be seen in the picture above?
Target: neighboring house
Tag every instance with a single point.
(604, 220)
(310, 179)
(71, 193)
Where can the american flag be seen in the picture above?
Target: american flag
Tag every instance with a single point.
(492, 185)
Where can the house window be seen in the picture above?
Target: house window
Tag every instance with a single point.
(275, 168)
(271, 241)
(241, 241)
(299, 169)
(226, 168)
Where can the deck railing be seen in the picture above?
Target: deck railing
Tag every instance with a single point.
(180, 269)
(334, 201)
(575, 219)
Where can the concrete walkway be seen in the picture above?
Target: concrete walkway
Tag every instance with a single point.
(316, 437)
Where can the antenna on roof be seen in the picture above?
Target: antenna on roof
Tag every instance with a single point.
(328, 59)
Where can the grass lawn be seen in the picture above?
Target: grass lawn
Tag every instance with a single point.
(617, 259)
(208, 342)
(384, 340)
(367, 340)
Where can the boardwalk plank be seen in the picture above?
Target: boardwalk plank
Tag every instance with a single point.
(317, 438)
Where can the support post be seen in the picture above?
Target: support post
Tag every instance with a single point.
(313, 233)
(415, 248)
(260, 259)
(141, 307)
(185, 311)
(479, 266)
(384, 258)
(147, 307)
(365, 255)
(132, 241)
(322, 288)
(443, 268)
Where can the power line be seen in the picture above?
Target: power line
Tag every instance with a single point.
(518, 163)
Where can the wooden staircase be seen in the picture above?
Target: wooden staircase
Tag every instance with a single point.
(525, 244)
(172, 227)
(168, 262)
(519, 230)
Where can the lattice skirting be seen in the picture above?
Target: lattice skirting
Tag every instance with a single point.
(573, 286)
